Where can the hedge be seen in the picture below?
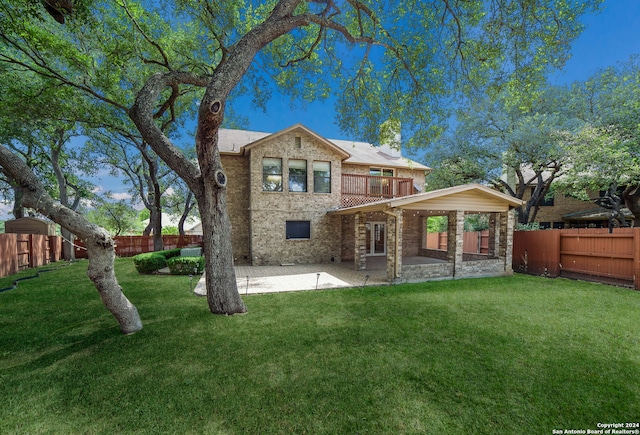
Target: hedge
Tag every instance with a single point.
(150, 262)
(186, 265)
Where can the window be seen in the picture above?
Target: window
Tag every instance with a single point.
(298, 230)
(381, 172)
(322, 177)
(272, 175)
(297, 175)
(382, 187)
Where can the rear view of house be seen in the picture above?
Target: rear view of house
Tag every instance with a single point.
(296, 197)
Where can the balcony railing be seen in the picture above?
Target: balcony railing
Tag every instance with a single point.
(362, 189)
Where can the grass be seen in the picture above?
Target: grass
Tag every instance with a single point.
(504, 355)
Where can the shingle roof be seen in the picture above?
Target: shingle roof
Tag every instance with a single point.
(360, 153)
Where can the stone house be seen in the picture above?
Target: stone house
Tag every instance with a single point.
(295, 197)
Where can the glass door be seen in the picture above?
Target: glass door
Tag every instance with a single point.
(376, 238)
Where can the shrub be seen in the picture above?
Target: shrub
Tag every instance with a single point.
(185, 265)
(170, 253)
(149, 262)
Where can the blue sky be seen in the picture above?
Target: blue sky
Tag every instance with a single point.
(610, 37)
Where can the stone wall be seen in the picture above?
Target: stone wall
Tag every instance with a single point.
(269, 211)
(480, 268)
(237, 169)
(412, 232)
(425, 272)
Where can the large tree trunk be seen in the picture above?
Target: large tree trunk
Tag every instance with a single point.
(99, 244)
(220, 276)
(18, 208)
(222, 288)
(68, 238)
(208, 181)
(631, 197)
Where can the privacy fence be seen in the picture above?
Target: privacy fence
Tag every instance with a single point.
(592, 254)
(474, 242)
(128, 246)
(21, 251)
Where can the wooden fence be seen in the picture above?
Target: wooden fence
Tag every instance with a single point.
(592, 253)
(21, 251)
(474, 242)
(128, 246)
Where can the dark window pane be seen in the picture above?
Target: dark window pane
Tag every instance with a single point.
(298, 229)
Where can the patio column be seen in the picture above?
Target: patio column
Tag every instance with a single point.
(360, 249)
(394, 244)
(507, 224)
(455, 240)
(494, 235)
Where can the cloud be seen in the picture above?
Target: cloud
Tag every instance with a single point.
(121, 196)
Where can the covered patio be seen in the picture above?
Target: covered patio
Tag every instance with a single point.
(403, 220)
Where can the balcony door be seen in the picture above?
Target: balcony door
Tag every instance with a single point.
(376, 238)
(381, 183)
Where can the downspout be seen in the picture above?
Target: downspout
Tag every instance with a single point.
(396, 272)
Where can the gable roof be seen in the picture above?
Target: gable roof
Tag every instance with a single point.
(468, 197)
(357, 153)
(303, 129)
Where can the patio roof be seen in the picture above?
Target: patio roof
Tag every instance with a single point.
(468, 197)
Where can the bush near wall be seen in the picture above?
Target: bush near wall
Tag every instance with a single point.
(151, 262)
(186, 265)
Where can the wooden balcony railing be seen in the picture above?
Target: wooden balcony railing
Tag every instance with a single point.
(362, 189)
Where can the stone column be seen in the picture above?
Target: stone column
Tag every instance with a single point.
(394, 244)
(494, 235)
(455, 240)
(360, 249)
(507, 225)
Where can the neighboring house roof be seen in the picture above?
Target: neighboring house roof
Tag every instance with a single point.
(468, 197)
(595, 214)
(357, 153)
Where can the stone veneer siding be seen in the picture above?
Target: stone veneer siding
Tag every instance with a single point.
(269, 211)
(412, 232)
(237, 169)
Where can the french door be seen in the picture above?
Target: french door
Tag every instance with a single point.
(376, 238)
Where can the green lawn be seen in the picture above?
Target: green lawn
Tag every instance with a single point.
(517, 355)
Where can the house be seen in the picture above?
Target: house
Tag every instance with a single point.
(297, 197)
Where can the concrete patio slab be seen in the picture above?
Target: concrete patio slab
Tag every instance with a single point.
(301, 277)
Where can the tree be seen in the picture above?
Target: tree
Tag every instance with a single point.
(43, 144)
(411, 58)
(99, 244)
(116, 216)
(515, 145)
(144, 172)
(605, 153)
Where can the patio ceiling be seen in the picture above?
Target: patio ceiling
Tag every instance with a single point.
(468, 198)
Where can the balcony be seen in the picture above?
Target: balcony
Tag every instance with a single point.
(363, 189)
